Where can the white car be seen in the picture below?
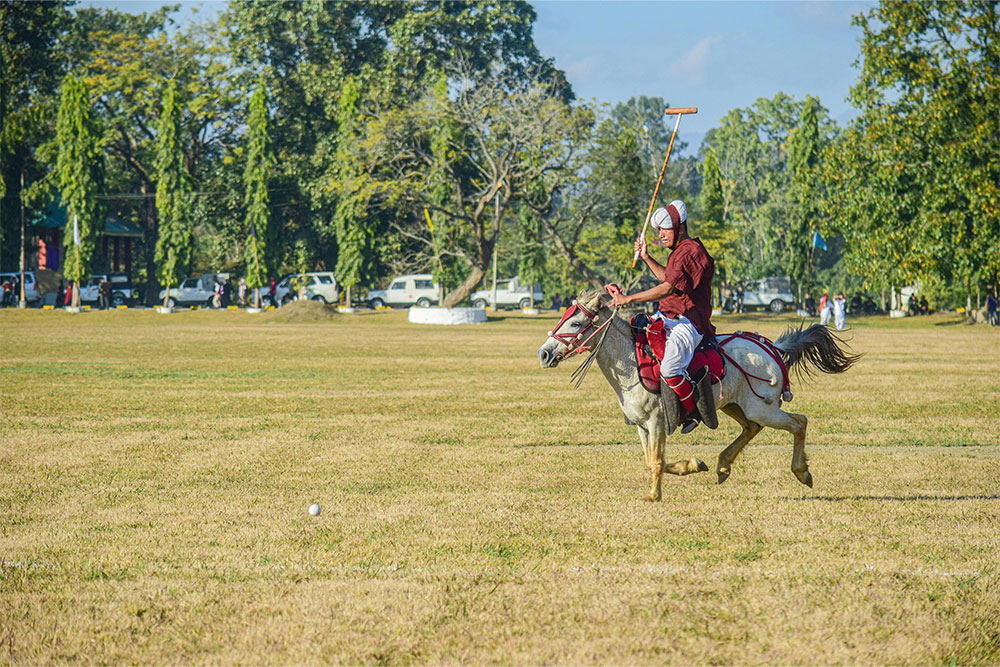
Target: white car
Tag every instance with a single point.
(31, 294)
(192, 291)
(121, 288)
(511, 293)
(416, 289)
(316, 286)
(773, 293)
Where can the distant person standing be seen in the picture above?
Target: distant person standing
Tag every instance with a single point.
(824, 309)
(104, 294)
(243, 292)
(272, 293)
(810, 305)
(556, 302)
(991, 310)
(839, 316)
(923, 306)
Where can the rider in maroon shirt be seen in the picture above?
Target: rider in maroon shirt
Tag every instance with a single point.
(685, 296)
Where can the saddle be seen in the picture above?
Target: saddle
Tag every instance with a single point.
(650, 343)
(706, 369)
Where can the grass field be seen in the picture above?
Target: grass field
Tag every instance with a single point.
(155, 473)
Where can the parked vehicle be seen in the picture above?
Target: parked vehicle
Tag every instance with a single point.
(511, 293)
(31, 294)
(316, 286)
(416, 289)
(774, 293)
(193, 291)
(122, 292)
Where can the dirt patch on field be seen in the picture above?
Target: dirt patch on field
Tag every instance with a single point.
(303, 311)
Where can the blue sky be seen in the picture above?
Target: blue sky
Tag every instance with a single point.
(715, 55)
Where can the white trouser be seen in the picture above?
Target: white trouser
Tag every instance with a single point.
(824, 315)
(839, 318)
(682, 339)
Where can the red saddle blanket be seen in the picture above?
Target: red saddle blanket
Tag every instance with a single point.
(654, 338)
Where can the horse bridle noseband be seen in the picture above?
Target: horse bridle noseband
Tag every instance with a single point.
(569, 338)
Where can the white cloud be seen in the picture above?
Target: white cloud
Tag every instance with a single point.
(692, 65)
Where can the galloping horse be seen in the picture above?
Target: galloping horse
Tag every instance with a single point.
(750, 393)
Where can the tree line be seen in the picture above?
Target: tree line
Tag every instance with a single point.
(375, 138)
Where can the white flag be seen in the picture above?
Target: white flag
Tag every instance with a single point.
(76, 231)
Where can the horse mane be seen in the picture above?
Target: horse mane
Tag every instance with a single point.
(815, 348)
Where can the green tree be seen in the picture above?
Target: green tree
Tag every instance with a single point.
(31, 70)
(805, 217)
(308, 53)
(125, 61)
(80, 169)
(711, 227)
(173, 197)
(752, 149)
(256, 177)
(914, 182)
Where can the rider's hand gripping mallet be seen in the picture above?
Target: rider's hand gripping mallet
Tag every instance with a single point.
(652, 204)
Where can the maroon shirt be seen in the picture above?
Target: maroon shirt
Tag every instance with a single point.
(690, 269)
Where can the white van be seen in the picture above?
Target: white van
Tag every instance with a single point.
(316, 286)
(510, 293)
(415, 289)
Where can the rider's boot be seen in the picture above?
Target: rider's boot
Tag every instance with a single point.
(684, 389)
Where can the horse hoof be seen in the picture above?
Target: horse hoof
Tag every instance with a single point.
(700, 465)
(723, 475)
(806, 478)
(651, 498)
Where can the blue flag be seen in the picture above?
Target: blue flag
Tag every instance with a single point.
(818, 241)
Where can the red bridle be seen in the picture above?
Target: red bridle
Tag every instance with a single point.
(569, 338)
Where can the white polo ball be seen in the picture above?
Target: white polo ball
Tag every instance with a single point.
(315, 509)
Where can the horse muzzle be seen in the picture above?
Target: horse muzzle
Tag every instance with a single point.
(547, 357)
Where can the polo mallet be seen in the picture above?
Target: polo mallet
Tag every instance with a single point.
(663, 170)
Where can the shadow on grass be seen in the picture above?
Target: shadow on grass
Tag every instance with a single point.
(902, 499)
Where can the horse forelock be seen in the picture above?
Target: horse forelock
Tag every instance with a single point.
(591, 299)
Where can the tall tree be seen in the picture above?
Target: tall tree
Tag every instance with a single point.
(173, 197)
(752, 148)
(510, 147)
(256, 177)
(805, 217)
(717, 236)
(915, 182)
(125, 61)
(80, 167)
(309, 51)
(31, 69)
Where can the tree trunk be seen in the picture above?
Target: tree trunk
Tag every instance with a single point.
(462, 292)
(147, 214)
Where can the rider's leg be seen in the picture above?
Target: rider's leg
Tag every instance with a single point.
(681, 343)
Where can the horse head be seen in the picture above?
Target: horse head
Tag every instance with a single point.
(570, 335)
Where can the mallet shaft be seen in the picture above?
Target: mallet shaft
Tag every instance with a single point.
(656, 192)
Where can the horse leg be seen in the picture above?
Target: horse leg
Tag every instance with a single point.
(653, 438)
(729, 454)
(796, 425)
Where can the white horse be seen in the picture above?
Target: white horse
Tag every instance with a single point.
(752, 396)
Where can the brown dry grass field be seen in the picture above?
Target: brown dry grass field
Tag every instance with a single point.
(155, 473)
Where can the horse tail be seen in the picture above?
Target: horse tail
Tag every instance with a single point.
(815, 348)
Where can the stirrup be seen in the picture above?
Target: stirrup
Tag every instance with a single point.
(690, 424)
